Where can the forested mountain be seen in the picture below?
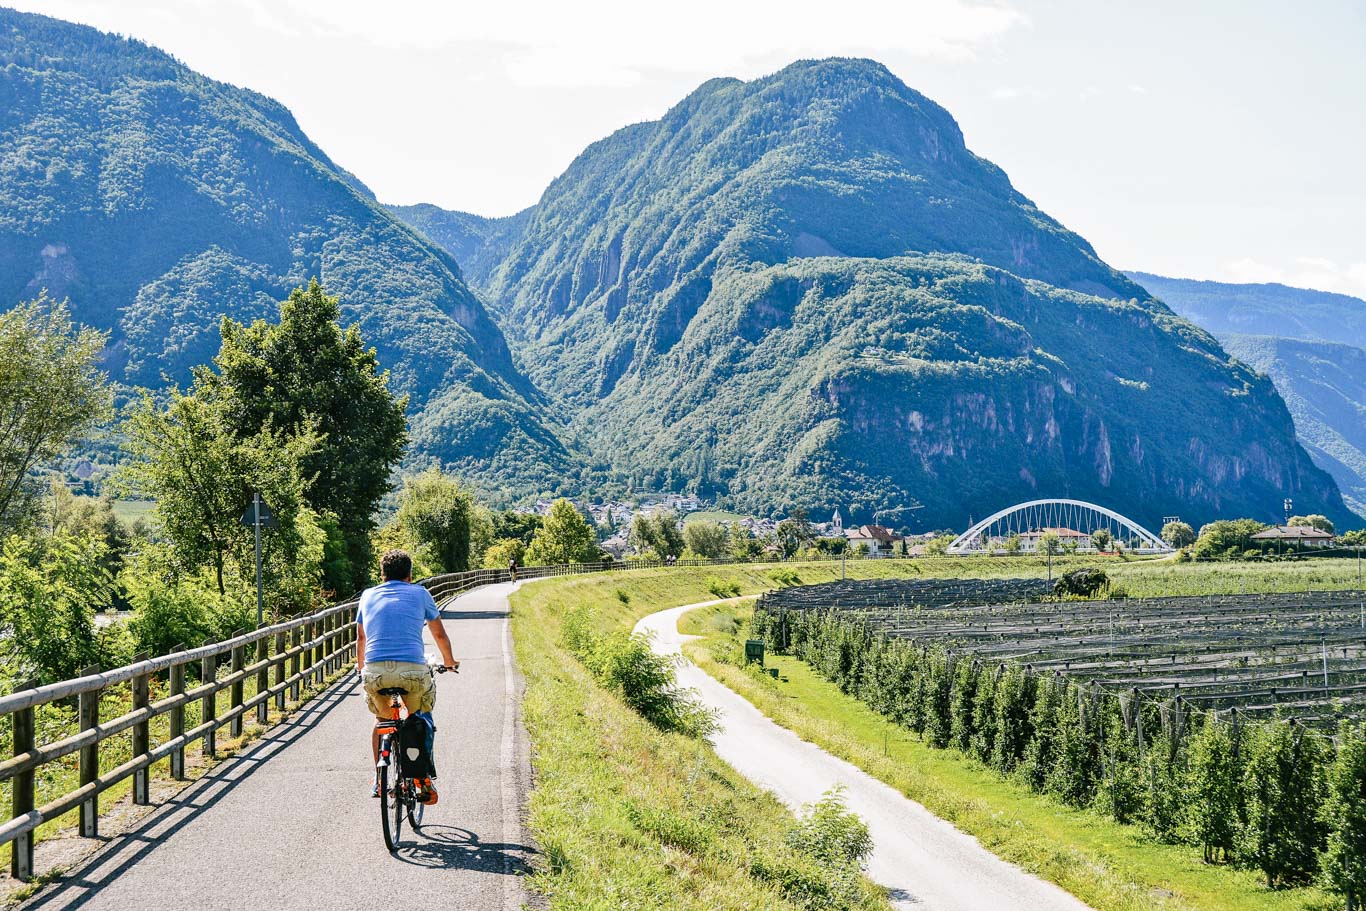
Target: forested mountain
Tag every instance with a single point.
(1310, 343)
(805, 290)
(158, 200)
(1262, 309)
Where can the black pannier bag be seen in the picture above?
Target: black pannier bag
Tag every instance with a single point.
(415, 739)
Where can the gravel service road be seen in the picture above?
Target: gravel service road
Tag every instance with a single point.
(925, 862)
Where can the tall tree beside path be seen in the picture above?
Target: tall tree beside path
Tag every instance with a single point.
(51, 393)
(437, 513)
(564, 537)
(202, 477)
(306, 371)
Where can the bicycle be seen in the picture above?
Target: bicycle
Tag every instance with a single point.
(397, 785)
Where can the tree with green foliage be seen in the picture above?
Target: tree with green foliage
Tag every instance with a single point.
(51, 394)
(743, 544)
(202, 476)
(1178, 535)
(656, 534)
(94, 517)
(1014, 545)
(50, 588)
(504, 552)
(1283, 785)
(1213, 776)
(436, 512)
(1101, 539)
(1049, 543)
(1225, 538)
(708, 540)
(1314, 520)
(304, 375)
(1344, 815)
(175, 609)
(519, 525)
(564, 537)
(793, 533)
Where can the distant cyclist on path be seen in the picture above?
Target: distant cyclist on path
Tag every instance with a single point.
(389, 648)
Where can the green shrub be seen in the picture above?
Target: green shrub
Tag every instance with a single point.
(622, 596)
(721, 588)
(784, 577)
(624, 663)
(830, 843)
(1082, 583)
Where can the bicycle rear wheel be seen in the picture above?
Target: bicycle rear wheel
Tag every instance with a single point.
(390, 799)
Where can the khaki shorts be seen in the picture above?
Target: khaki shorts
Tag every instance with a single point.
(415, 678)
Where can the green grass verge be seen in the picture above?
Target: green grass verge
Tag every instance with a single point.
(627, 816)
(1109, 866)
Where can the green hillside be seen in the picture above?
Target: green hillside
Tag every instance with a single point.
(1324, 386)
(158, 201)
(1262, 309)
(743, 298)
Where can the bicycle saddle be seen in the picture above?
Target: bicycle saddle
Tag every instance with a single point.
(393, 691)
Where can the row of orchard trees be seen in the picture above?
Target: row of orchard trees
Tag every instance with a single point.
(1273, 795)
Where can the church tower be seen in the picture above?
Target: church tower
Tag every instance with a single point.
(837, 524)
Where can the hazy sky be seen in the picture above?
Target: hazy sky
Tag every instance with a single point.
(1220, 140)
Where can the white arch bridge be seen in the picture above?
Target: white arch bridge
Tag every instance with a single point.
(1020, 528)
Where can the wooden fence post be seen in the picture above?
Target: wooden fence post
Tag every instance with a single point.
(88, 711)
(178, 718)
(263, 677)
(281, 668)
(209, 704)
(239, 661)
(142, 739)
(21, 795)
(294, 663)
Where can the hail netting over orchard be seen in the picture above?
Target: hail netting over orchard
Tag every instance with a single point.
(1072, 522)
(1302, 654)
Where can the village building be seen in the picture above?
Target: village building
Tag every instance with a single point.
(880, 542)
(1298, 536)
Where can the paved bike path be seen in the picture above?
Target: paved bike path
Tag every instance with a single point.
(926, 863)
(300, 831)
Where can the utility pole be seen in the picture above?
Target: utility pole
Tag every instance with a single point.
(258, 514)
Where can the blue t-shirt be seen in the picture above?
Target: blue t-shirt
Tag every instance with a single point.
(393, 615)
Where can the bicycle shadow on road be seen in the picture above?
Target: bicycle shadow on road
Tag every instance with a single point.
(453, 848)
(123, 850)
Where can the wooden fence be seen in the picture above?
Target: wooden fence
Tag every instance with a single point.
(281, 658)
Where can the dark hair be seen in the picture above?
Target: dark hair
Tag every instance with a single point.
(395, 565)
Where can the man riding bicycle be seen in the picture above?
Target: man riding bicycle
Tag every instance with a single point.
(389, 648)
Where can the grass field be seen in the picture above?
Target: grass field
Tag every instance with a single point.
(129, 511)
(627, 816)
(1113, 867)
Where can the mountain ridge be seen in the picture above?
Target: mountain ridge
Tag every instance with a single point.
(158, 200)
(681, 277)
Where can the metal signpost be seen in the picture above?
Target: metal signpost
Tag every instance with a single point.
(257, 516)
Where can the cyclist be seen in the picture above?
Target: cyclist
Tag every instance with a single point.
(389, 649)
